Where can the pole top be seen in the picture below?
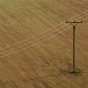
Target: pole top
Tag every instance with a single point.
(74, 21)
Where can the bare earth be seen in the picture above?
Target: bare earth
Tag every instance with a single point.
(36, 43)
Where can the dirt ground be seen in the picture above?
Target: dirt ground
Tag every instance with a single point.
(36, 43)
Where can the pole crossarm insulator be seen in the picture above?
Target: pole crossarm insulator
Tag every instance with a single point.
(74, 21)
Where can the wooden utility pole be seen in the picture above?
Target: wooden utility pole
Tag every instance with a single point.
(74, 23)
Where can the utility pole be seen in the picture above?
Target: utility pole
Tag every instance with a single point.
(74, 23)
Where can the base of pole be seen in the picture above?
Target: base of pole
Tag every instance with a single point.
(74, 70)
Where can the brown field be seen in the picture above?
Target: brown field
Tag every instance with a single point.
(36, 43)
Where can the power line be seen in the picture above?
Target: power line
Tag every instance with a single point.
(45, 35)
(44, 31)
